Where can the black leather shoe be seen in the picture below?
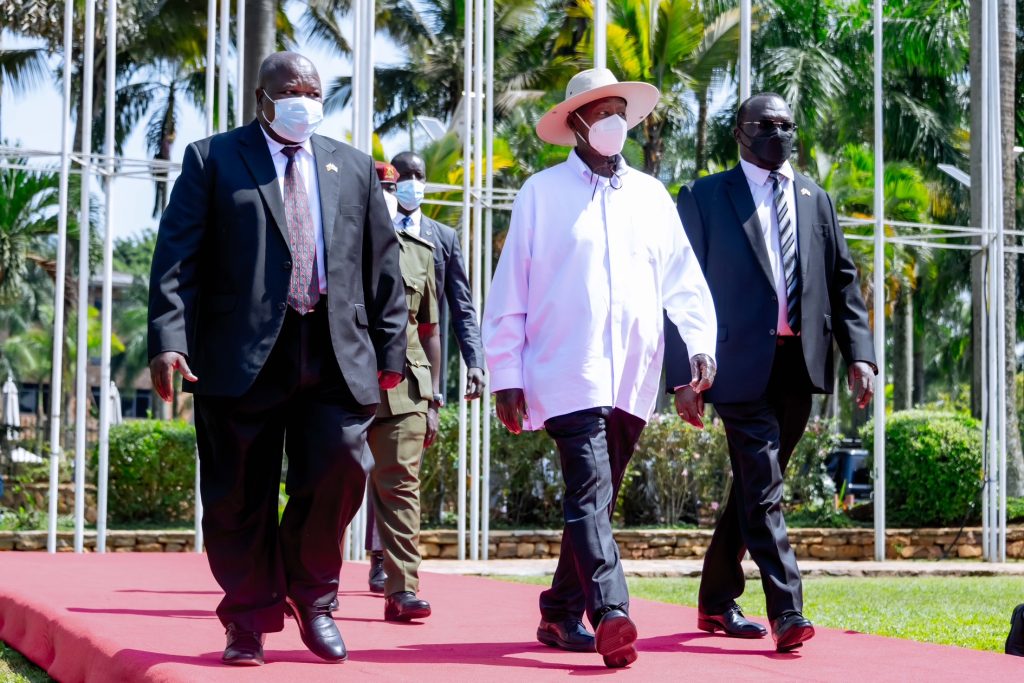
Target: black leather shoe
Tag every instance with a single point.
(791, 631)
(568, 635)
(732, 623)
(318, 631)
(615, 638)
(377, 575)
(244, 648)
(1015, 639)
(405, 606)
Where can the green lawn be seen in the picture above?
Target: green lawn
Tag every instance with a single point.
(969, 612)
(14, 668)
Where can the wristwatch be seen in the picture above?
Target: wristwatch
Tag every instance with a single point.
(438, 399)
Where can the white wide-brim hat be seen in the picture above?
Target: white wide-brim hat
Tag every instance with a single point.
(588, 86)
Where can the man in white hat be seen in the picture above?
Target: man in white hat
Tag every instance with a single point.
(573, 335)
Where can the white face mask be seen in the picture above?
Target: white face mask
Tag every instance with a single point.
(392, 201)
(410, 194)
(607, 136)
(295, 118)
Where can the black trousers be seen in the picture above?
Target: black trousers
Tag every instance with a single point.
(595, 447)
(299, 403)
(761, 435)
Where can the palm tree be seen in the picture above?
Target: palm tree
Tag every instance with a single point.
(21, 69)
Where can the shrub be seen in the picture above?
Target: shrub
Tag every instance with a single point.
(152, 471)
(933, 467)
(806, 481)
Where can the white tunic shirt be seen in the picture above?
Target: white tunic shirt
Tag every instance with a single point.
(764, 201)
(574, 314)
(307, 169)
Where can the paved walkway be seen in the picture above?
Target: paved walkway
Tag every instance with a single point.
(691, 568)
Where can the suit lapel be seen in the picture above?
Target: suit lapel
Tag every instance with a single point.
(256, 155)
(743, 203)
(805, 211)
(328, 174)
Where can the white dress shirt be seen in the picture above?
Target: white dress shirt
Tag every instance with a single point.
(413, 227)
(307, 169)
(574, 314)
(764, 201)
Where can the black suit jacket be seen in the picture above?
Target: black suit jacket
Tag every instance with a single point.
(721, 223)
(221, 268)
(458, 297)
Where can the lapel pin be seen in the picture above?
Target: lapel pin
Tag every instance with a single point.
(334, 169)
(803, 190)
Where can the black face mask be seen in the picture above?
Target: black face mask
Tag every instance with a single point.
(772, 149)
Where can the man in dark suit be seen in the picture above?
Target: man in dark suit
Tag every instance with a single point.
(276, 293)
(457, 303)
(785, 289)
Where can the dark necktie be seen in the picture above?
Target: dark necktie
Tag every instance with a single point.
(304, 288)
(407, 223)
(787, 245)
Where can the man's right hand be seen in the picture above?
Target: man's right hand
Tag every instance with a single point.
(690, 406)
(511, 405)
(161, 371)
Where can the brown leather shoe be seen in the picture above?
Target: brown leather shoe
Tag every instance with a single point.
(405, 606)
(244, 648)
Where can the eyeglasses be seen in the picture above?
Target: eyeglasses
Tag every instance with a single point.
(767, 125)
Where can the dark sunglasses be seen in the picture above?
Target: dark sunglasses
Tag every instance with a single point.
(767, 125)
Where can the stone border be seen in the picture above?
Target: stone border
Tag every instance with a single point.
(816, 544)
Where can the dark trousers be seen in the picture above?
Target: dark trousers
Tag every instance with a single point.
(299, 403)
(761, 435)
(595, 447)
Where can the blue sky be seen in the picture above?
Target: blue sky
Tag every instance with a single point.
(33, 121)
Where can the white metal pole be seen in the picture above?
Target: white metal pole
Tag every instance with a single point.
(986, 402)
(369, 19)
(485, 485)
(477, 256)
(240, 63)
(600, 34)
(879, 296)
(211, 44)
(467, 149)
(211, 65)
(108, 275)
(57, 368)
(357, 74)
(222, 83)
(745, 39)
(82, 341)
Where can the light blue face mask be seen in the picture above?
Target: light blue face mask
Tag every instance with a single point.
(410, 194)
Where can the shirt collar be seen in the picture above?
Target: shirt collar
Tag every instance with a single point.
(759, 176)
(415, 216)
(583, 171)
(276, 147)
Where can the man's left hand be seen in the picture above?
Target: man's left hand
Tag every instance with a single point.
(861, 380)
(475, 383)
(702, 370)
(433, 421)
(388, 379)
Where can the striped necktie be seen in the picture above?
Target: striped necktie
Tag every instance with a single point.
(304, 285)
(787, 245)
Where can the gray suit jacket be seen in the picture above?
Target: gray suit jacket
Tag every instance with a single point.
(221, 268)
(721, 223)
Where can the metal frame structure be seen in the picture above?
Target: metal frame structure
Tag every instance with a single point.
(479, 200)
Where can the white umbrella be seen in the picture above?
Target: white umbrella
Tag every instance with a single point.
(12, 409)
(115, 405)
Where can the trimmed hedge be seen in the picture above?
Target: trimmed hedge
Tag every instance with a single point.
(152, 471)
(933, 469)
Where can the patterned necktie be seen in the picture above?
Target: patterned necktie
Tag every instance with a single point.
(304, 288)
(787, 245)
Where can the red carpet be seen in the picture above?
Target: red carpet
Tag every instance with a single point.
(149, 617)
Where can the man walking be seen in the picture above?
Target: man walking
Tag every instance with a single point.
(573, 333)
(785, 289)
(276, 292)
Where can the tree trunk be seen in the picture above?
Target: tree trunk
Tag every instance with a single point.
(977, 271)
(1008, 95)
(701, 152)
(260, 42)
